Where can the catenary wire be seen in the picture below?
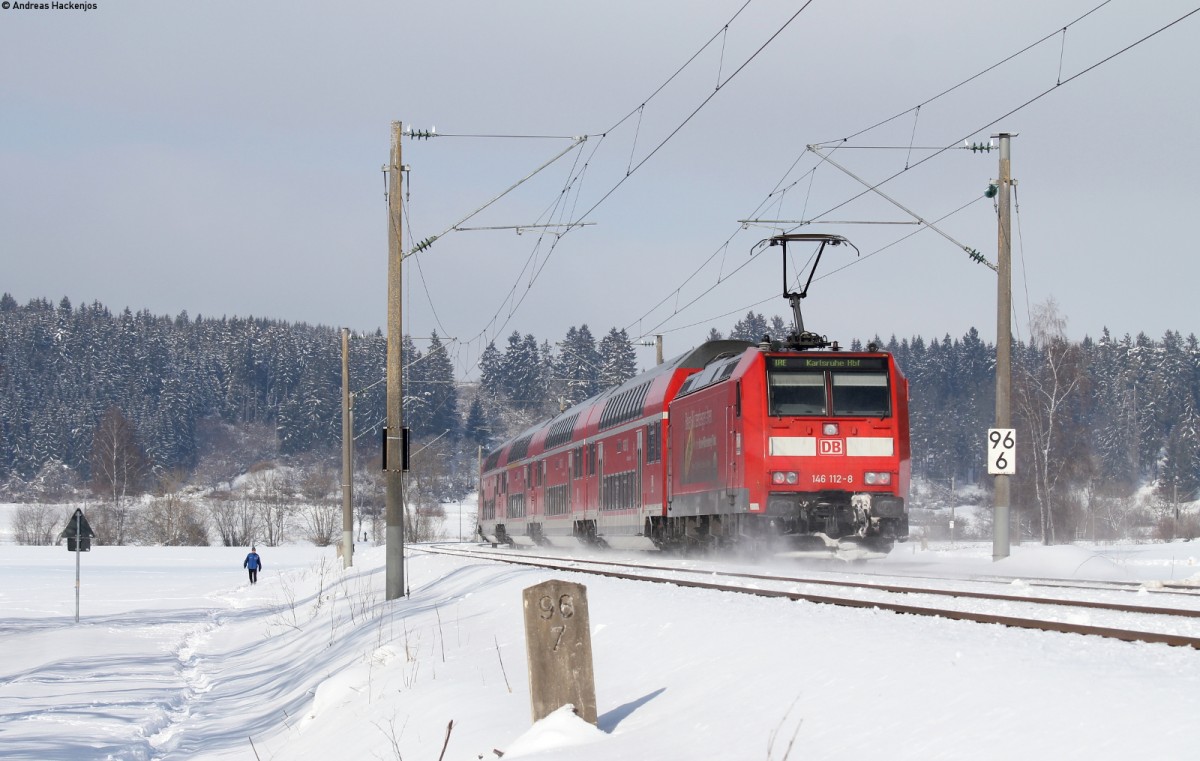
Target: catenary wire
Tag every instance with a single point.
(1024, 266)
(1012, 111)
(720, 85)
(973, 77)
(955, 144)
(880, 250)
(680, 126)
(629, 171)
(938, 151)
(841, 144)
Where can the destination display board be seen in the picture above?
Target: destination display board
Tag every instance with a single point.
(843, 364)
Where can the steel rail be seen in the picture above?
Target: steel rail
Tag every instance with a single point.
(1176, 588)
(894, 588)
(1125, 635)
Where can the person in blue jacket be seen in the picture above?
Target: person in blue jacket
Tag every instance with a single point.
(253, 563)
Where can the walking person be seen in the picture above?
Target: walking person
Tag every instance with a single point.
(253, 563)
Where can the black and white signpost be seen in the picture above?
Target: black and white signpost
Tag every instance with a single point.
(79, 537)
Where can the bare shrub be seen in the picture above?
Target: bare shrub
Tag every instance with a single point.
(1168, 528)
(1189, 527)
(38, 524)
(369, 498)
(1112, 516)
(322, 521)
(421, 526)
(114, 523)
(236, 519)
(173, 520)
(272, 490)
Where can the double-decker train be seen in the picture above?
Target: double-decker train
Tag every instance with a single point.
(792, 446)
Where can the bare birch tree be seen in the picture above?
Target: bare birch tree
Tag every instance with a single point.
(118, 470)
(1049, 378)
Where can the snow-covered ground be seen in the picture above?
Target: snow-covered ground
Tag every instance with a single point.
(176, 656)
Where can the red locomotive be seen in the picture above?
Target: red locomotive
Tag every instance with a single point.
(797, 446)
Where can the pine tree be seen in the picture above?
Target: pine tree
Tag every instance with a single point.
(1180, 477)
(440, 389)
(491, 371)
(751, 328)
(1112, 415)
(578, 368)
(416, 389)
(521, 372)
(778, 329)
(477, 428)
(1143, 358)
(618, 361)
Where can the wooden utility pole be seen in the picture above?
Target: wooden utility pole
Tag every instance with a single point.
(347, 456)
(395, 390)
(1000, 522)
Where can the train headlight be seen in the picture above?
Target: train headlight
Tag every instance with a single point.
(780, 477)
(829, 429)
(877, 478)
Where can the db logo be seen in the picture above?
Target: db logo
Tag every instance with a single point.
(831, 446)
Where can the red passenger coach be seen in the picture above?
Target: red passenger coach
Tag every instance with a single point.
(778, 447)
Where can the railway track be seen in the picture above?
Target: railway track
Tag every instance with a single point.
(1181, 589)
(1178, 626)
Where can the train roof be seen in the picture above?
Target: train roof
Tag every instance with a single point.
(706, 352)
(628, 400)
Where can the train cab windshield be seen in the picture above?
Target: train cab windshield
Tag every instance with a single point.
(797, 393)
(861, 395)
(804, 391)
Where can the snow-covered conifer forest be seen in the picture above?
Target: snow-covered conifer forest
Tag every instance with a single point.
(195, 430)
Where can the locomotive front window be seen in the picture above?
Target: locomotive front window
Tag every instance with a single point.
(797, 393)
(861, 395)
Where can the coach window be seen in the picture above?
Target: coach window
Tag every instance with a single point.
(797, 393)
(861, 394)
(652, 433)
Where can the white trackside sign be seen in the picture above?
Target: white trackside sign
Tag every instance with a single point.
(1002, 451)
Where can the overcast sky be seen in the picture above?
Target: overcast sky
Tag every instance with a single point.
(224, 158)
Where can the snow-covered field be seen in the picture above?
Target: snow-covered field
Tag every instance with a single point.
(176, 656)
